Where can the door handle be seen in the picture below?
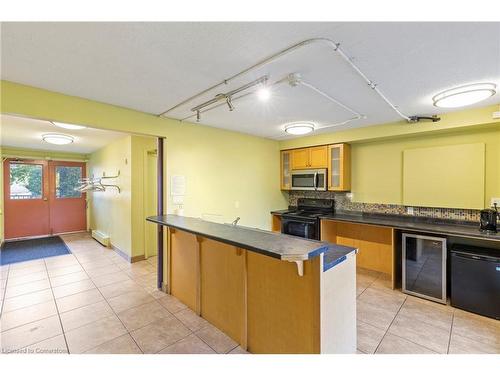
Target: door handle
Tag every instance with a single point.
(315, 180)
(45, 199)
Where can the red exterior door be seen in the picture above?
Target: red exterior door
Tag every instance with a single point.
(67, 206)
(26, 198)
(40, 198)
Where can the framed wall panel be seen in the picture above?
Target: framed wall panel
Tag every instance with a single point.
(446, 176)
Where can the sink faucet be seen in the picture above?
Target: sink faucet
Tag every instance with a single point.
(235, 222)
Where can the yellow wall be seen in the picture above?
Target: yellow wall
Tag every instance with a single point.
(451, 122)
(6, 152)
(1, 196)
(377, 165)
(456, 183)
(110, 211)
(139, 146)
(221, 167)
(42, 154)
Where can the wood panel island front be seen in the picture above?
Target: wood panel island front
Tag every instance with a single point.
(272, 293)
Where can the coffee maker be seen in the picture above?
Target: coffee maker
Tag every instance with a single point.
(488, 220)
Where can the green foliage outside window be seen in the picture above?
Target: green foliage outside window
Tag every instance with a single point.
(67, 181)
(29, 176)
(26, 181)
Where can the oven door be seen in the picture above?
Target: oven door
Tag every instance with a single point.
(300, 228)
(309, 179)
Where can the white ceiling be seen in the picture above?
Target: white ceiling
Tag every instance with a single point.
(22, 132)
(153, 66)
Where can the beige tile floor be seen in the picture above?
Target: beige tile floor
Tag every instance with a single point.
(391, 322)
(93, 301)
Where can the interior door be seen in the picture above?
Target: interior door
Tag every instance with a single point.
(67, 205)
(26, 198)
(150, 203)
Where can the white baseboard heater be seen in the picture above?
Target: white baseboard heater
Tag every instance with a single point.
(101, 238)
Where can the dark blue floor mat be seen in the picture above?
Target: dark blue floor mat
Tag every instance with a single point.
(23, 250)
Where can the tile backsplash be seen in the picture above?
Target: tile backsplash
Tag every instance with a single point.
(344, 203)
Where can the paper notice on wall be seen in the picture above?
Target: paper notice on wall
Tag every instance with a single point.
(178, 185)
(178, 199)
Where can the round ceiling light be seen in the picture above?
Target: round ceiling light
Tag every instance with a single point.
(68, 126)
(464, 95)
(299, 128)
(58, 139)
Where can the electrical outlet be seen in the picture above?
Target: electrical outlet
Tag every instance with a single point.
(409, 210)
(495, 200)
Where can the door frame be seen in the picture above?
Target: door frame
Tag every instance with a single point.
(52, 164)
(147, 183)
(6, 193)
(48, 191)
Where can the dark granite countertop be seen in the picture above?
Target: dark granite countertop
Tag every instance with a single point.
(272, 244)
(419, 224)
(413, 223)
(280, 212)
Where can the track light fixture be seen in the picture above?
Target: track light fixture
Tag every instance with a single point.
(229, 103)
(227, 97)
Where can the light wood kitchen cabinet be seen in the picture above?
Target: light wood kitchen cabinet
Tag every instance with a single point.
(318, 157)
(311, 157)
(376, 245)
(286, 167)
(300, 158)
(339, 167)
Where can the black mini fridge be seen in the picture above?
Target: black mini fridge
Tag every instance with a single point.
(475, 280)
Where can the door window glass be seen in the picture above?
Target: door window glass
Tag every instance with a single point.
(25, 181)
(67, 181)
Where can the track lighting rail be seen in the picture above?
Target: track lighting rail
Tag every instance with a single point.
(293, 79)
(228, 95)
(335, 47)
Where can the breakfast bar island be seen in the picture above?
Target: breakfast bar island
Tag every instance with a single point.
(272, 293)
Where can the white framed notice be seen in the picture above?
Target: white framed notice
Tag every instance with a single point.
(178, 185)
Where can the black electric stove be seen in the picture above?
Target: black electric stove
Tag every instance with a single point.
(303, 221)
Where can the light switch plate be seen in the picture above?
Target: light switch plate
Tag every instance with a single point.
(495, 200)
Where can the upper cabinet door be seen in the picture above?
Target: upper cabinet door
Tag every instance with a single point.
(318, 157)
(300, 158)
(286, 166)
(339, 167)
(311, 157)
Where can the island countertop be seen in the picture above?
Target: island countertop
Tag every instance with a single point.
(272, 244)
